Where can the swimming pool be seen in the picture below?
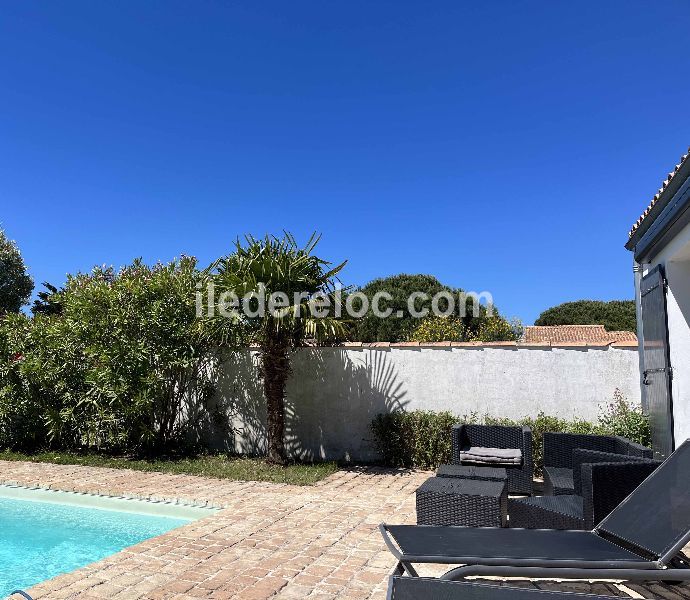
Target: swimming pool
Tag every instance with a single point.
(45, 533)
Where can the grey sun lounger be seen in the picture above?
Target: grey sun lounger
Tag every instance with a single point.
(420, 588)
(641, 539)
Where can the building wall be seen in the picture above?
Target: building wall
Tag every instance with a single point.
(335, 393)
(676, 260)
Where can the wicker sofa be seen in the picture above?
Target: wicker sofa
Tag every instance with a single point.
(499, 436)
(602, 481)
(558, 456)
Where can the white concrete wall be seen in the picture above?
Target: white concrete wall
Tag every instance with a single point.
(676, 260)
(335, 393)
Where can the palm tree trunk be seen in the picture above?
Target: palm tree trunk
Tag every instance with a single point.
(275, 367)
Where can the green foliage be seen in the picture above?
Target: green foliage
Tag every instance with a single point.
(21, 414)
(497, 329)
(543, 423)
(625, 419)
(15, 283)
(445, 329)
(438, 329)
(115, 370)
(371, 328)
(421, 439)
(617, 315)
(279, 266)
(48, 301)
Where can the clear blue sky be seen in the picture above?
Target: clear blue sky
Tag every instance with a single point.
(501, 146)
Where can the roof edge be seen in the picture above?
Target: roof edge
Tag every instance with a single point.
(670, 186)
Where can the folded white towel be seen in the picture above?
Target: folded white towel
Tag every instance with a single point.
(479, 455)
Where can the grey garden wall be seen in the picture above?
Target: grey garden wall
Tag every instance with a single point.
(334, 393)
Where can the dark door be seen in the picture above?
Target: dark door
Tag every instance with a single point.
(657, 373)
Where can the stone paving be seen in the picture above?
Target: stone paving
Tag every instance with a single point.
(268, 541)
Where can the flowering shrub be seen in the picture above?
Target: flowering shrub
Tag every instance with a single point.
(497, 329)
(438, 329)
(445, 329)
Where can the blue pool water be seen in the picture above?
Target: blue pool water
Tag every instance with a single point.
(39, 540)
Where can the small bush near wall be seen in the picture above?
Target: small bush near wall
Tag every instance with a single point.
(623, 418)
(421, 439)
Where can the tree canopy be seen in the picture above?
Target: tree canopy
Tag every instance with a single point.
(15, 283)
(401, 325)
(616, 315)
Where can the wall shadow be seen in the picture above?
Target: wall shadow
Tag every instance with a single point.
(332, 397)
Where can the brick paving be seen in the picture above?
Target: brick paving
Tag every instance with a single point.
(268, 541)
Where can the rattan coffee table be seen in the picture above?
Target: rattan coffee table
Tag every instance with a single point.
(472, 472)
(468, 502)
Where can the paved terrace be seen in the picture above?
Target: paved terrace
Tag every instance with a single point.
(269, 541)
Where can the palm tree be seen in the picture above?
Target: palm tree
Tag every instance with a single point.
(278, 268)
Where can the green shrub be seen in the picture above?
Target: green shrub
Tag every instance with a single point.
(541, 424)
(417, 439)
(126, 366)
(497, 329)
(625, 419)
(421, 439)
(438, 329)
(21, 416)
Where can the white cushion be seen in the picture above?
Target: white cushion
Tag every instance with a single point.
(491, 456)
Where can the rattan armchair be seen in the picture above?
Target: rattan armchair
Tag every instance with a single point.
(602, 481)
(558, 456)
(499, 436)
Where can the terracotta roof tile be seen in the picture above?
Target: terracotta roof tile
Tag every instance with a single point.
(569, 334)
(625, 344)
(656, 197)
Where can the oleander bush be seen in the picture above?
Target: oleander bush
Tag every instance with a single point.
(126, 366)
(422, 439)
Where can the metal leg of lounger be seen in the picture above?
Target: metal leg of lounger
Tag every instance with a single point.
(403, 566)
(460, 573)
(409, 569)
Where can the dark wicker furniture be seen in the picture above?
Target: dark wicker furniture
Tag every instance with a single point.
(468, 502)
(558, 456)
(472, 472)
(499, 436)
(642, 539)
(602, 482)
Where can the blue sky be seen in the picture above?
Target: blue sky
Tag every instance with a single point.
(501, 146)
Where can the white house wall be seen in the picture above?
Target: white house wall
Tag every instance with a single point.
(676, 260)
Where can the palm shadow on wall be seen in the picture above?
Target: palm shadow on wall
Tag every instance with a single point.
(332, 398)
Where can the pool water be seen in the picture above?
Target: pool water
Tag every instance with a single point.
(39, 540)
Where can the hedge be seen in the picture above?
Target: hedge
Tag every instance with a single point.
(421, 439)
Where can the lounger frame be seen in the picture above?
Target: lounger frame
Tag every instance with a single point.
(656, 570)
